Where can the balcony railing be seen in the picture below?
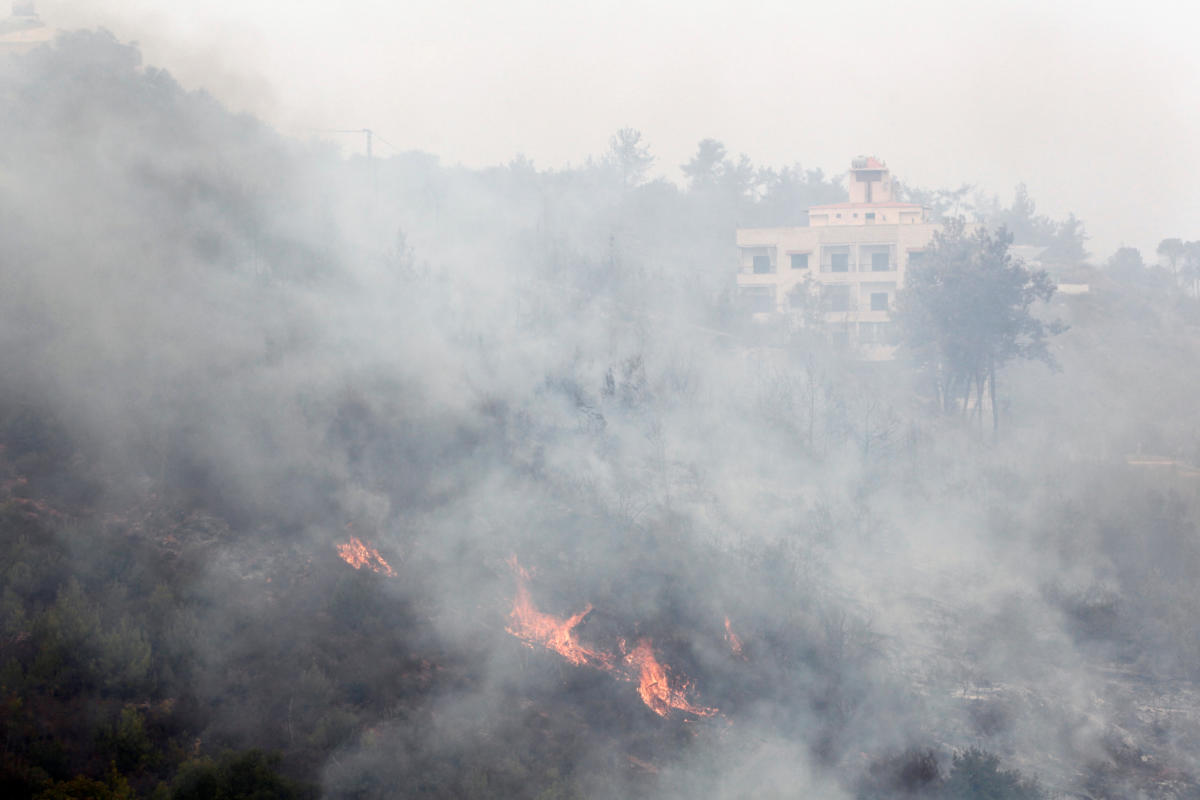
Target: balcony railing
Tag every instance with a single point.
(856, 266)
(861, 308)
(757, 269)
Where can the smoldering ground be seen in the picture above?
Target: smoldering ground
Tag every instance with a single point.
(283, 348)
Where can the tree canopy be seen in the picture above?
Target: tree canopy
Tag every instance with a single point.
(631, 155)
(966, 311)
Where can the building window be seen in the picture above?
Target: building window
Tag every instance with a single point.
(838, 298)
(879, 301)
(835, 258)
(870, 217)
(879, 262)
(762, 265)
(799, 260)
(916, 258)
(758, 299)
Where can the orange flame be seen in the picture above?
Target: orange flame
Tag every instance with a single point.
(358, 555)
(735, 641)
(654, 686)
(534, 627)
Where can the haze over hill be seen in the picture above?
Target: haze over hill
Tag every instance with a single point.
(1088, 106)
(430, 478)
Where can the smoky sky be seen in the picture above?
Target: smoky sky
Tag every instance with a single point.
(1090, 104)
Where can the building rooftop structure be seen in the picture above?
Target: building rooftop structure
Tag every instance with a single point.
(23, 30)
(841, 271)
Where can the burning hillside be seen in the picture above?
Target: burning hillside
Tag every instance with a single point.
(655, 686)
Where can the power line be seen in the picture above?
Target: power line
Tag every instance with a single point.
(367, 131)
(389, 144)
(371, 136)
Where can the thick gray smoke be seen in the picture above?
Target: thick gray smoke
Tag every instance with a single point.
(462, 366)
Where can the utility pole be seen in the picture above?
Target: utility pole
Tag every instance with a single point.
(370, 134)
(371, 137)
(371, 164)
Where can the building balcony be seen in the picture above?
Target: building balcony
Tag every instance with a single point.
(757, 278)
(857, 312)
(826, 276)
(860, 268)
(890, 278)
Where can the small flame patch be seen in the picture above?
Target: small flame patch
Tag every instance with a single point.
(359, 556)
(733, 640)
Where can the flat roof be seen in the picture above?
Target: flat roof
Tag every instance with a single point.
(867, 162)
(27, 36)
(865, 205)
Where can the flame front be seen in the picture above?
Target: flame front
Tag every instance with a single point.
(358, 555)
(534, 627)
(654, 685)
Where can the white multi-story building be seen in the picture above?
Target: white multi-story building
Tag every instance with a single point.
(844, 267)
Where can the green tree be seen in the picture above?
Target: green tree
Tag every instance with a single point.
(129, 742)
(630, 155)
(943, 203)
(1023, 222)
(966, 311)
(1172, 250)
(250, 775)
(81, 787)
(787, 193)
(912, 773)
(1066, 246)
(65, 637)
(976, 775)
(1191, 267)
(705, 168)
(1126, 263)
(1063, 240)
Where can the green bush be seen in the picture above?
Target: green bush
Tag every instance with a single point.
(250, 775)
(976, 775)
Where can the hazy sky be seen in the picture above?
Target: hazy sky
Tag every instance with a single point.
(1094, 105)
